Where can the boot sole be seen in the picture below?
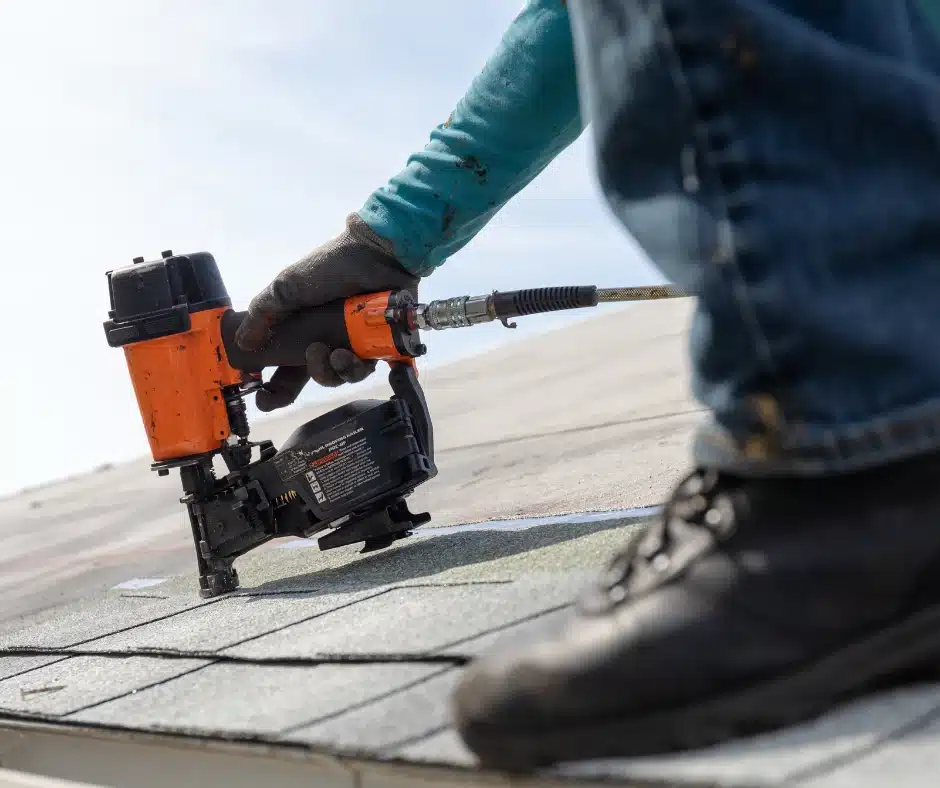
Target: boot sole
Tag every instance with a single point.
(770, 705)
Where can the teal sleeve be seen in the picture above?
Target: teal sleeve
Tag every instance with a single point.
(519, 113)
(931, 10)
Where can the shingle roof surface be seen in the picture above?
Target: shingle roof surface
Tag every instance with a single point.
(359, 653)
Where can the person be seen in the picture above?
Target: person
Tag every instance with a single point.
(779, 160)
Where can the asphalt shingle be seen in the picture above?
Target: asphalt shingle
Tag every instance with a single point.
(474, 556)
(80, 682)
(230, 620)
(411, 619)
(13, 666)
(908, 759)
(106, 614)
(786, 756)
(444, 747)
(410, 714)
(252, 699)
(523, 631)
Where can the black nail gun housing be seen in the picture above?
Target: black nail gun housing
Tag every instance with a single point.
(346, 472)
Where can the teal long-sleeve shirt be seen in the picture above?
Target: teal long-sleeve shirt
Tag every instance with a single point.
(519, 113)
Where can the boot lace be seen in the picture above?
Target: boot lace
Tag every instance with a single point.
(697, 502)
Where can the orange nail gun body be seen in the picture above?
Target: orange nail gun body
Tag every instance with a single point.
(346, 472)
(179, 382)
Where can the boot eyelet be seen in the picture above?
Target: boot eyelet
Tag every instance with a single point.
(661, 563)
(720, 518)
(614, 577)
(617, 593)
(714, 518)
(649, 547)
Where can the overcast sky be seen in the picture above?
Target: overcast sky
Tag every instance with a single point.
(248, 129)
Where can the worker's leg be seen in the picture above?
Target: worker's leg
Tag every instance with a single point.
(780, 159)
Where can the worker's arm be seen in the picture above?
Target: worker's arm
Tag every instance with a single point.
(520, 112)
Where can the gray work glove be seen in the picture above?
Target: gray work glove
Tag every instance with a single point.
(355, 262)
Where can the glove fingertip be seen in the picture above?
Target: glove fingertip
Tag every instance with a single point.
(252, 332)
(266, 402)
(319, 367)
(282, 389)
(350, 367)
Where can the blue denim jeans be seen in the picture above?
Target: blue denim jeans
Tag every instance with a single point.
(780, 160)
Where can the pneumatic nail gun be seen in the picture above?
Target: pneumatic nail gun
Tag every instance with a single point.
(345, 474)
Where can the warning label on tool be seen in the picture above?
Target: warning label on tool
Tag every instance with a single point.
(315, 486)
(289, 464)
(336, 469)
(347, 466)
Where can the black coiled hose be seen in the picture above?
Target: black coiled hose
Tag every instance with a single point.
(515, 303)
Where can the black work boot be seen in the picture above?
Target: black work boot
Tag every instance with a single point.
(749, 605)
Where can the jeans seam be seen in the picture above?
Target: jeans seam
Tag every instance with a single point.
(725, 228)
(806, 450)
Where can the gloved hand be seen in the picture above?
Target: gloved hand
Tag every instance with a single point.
(356, 261)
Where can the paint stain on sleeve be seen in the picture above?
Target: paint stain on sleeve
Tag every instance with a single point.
(477, 167)
(448, 219)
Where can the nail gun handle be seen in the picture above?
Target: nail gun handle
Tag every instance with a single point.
(360, 323)
(403, 380)
(326, 324)
(330, 324)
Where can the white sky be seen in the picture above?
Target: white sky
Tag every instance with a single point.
(248, 128)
